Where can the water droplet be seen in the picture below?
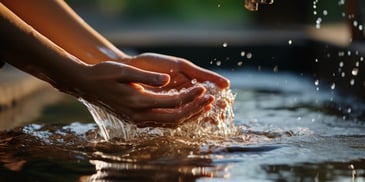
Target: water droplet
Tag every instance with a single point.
(352, 82)
(316, 82)
(239, 63)
(225, 44)
(355, 23)
(341, 64)
(341, 53)
(343, 74)
(357, 64)
(355, 71)
(361, 28)
(194, 81)
(276, 69)
(219, 5)
(299, 118)
(341, 2)
(249, 55)
(171, 70)
(349, 53)
(316, 60)
(218, 63)
(333, 86)
(314, 12)
(243, 53)
(361, 59)
(290, 42)
(349, 110)
(325, 12)
(318, 22)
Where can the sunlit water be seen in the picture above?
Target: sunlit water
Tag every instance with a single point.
(218, 121)
(288, 128)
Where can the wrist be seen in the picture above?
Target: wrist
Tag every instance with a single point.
(68, 75)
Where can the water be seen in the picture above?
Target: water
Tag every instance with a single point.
(218, 121)
(287, 130)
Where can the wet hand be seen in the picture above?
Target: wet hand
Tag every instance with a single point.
(120, 88)
(182, 72)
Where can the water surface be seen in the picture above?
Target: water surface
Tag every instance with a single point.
(289, 129)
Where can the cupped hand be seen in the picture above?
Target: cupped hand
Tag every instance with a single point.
(120, 88)
(182, 72)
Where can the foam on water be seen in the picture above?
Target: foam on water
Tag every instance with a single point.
(215, 123)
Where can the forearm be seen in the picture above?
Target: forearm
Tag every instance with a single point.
(59, 23)
(28, 50)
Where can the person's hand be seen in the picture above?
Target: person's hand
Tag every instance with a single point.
(182, 73)
(120, 88)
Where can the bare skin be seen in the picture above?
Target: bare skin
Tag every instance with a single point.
(84, 64)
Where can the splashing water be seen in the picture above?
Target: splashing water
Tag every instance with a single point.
(214, 123)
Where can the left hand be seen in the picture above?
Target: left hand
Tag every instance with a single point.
(181, 71)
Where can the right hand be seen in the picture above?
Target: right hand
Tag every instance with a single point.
(119, 88)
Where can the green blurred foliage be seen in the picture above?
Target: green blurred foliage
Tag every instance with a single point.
(219, 11)
(173, 10)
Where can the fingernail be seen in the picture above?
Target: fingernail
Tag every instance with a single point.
(164, 79)
(209, 98)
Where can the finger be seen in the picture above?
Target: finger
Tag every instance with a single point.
(203, 75)
(173, 117)
(149, 100)
(132, 74)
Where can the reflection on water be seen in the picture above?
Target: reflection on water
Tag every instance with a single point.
(287, 130)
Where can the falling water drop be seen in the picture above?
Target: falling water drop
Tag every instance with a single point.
(361, 59)
(194, 81)
(352, 82)
(316, 83)
(218, 63)
(333, 86)
(243, 53)
(355, 71)
(290, 42)
(318, 22)
(219, 5)
(249, 55)
(361, 28)
(341, 64)
(225, 44)
(239, 63)
(325, 12)
(276, 69)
